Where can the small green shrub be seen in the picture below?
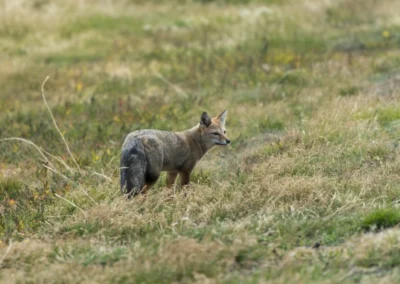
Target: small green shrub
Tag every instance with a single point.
(381, 219)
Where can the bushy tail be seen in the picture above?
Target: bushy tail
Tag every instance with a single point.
(133, 168)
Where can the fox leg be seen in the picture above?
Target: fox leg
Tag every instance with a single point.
(146, 187)
(185, 178)
(153, 170)
(150, 180)
(171, 177)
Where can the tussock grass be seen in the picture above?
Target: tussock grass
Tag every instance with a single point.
(307, 191)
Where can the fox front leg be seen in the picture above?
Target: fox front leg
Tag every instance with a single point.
(171, 177)
(185, 178)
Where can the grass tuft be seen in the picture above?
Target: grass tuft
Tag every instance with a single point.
(381, 219)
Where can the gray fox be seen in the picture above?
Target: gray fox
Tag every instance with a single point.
(146, 153)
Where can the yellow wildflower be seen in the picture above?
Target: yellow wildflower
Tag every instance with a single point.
(79, 86)
(386, 34)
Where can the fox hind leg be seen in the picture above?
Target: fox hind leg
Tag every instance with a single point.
(150, 180)
(171, 177)
(185, 178)
(154, 167)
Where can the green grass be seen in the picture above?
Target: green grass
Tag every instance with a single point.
(307, 190)
(103, 23)
(381, 219)
(23, 208)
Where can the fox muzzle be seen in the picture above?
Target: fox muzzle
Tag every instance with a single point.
(227, 141)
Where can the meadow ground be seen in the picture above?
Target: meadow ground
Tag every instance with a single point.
(308, 191)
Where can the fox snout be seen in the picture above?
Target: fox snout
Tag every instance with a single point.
(224, 142)
(227, 140)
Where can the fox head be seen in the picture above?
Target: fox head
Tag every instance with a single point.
(213, 131)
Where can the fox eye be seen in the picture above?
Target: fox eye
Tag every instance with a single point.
(215, 133)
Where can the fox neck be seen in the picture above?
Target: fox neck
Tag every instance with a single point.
(195, 139)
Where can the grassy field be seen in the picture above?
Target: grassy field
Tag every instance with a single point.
(308, 191)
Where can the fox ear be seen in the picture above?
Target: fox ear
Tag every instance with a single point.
(222, 116)
(205, 120)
